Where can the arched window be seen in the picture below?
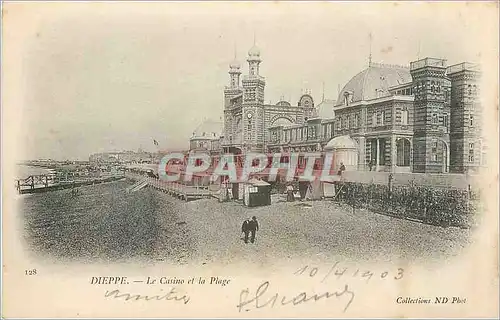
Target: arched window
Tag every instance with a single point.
(347, 122)
(404, 117)
(434, 118)
(471, 152)
(374, 119)
(346, 98)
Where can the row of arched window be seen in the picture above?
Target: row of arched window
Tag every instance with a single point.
(325, 131)
(348, 122)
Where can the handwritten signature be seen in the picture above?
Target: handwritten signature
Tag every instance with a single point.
(258, 301)
(171, 295)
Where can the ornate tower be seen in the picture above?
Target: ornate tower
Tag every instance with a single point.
(233, 97)
(234, 89)
(466, 144)
(430, 137)
(253, 103)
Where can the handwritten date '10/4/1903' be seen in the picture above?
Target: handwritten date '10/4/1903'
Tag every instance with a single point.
(342, 272)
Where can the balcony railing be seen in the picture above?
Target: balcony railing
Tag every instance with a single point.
(463, 67)
(428, 62)
(379, 128)
(253, 77)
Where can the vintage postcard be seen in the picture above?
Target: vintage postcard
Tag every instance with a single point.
(250, 159)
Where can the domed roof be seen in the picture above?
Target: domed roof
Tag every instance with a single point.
(374, 82)
(254, 51)
(208, 129)
(283, 103)
(281, 122)
(235, 64)
(341, 142)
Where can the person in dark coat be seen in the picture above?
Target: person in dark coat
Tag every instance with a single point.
(253, 225)
(341, 169)
(245, 229)
(370, 165)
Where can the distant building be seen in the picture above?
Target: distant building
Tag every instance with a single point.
(122, 157)
(206, 137)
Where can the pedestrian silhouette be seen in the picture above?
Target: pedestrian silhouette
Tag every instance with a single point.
(341, 169)
(253, 226)
(245, 228)
(370, 165)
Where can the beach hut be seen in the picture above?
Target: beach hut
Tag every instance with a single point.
(256, 193)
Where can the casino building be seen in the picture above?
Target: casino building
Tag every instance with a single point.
(421, 118)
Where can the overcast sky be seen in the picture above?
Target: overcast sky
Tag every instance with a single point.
(115, 76)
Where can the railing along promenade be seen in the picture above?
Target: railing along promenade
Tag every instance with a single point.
(52, 182)
(175, 189)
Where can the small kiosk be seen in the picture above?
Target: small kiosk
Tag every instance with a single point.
(256, 193)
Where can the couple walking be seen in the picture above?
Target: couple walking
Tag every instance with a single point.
(250, 226)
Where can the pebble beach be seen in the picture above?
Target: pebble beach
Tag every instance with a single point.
(104, 223)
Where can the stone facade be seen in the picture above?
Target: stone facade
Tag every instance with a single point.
(421, 118)
(466, 145)
(430, 136)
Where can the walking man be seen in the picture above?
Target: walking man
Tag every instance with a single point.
(253, 225)
(245, 228)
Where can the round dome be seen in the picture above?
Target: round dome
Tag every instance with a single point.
(208, 129)
(281, 122)
(342, 142)
(283, 103)
(235, 64)
(254, 51)
(374, 82)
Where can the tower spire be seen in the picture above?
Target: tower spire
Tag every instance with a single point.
(370, 56)
(418, 50)
(323, 97)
